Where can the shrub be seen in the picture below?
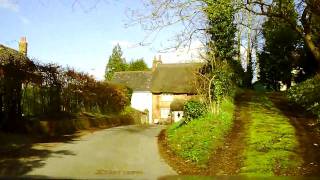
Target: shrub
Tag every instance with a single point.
(217, 81)
(193, 109)
(111, 98)
(306, 94)
(198, 139)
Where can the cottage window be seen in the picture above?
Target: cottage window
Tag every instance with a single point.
(166, 97)
(164, 113)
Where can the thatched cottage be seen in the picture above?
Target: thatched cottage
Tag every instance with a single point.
(160, 90)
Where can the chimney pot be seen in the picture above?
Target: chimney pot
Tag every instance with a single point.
(23, 46)
(156, 62)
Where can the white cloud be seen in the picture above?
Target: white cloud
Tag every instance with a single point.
(10, 5)
(183, 54)
(124, 44)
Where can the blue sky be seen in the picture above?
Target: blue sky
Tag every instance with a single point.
(79, 36)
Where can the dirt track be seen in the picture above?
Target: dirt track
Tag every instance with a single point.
(307, 133)
(228, 159)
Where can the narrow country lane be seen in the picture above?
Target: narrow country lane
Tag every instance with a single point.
(121, 152)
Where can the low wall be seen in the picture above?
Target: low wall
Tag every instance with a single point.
(81, 122)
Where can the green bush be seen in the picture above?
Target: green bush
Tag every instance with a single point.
(193, 109)
(197, 140)
(307, 95)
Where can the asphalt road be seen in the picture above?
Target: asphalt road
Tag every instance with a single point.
(120, 152)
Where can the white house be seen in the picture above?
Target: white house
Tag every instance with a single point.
(140, 83)
(159, 90)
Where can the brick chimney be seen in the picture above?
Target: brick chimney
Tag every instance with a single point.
(156, 62)
(23, 46)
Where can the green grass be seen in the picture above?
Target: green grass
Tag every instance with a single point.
(271, 141)
(196, 140)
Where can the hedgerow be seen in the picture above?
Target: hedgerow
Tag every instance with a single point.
(307, 95)
(29, 89)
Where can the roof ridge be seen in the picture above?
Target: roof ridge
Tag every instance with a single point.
(131, 71)
(6, 47)
(190, 63)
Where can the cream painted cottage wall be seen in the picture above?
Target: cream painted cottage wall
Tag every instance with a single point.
(142, 100)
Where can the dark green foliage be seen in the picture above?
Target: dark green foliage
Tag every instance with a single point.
(307, 94)
(226, 76)
(275, 61)
(238, 73)
(220, 15)
(223, 85)
(193, 109)
(138, 65)
(116, 63)
(221, 73)
(306, 64)
(259, 86)
(15, 69)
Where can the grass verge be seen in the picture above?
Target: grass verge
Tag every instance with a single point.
(196, 140)
(271, 142)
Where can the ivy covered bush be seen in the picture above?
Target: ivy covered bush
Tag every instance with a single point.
(194, 109)
(307, 94)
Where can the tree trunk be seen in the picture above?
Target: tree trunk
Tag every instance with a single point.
(313, 48)
(239, 46)
(249, 50)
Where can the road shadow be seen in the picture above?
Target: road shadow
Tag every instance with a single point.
(20, 154)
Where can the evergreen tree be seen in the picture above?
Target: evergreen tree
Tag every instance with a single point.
(281, 40)
(138, 65)
(220, 15)
(116, 63)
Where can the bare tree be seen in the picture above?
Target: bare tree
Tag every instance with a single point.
(155, 16)
(307, 10)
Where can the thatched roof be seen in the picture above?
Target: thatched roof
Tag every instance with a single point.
(14, 63)
(167, 78)
(136, 80)
(175, 78)
(7, 54)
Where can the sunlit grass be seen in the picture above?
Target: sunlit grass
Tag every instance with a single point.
(197, 140)
(271, 141)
